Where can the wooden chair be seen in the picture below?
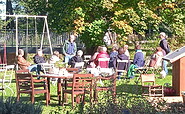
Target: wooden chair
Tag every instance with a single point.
(82, 84)
(25, 83)
(151, 89)
(103, 62)
(6, 80)
(111, 87)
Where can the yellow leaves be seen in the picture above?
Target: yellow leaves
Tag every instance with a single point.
(123, 25)
(79, 24)
(109, 4)
(117, 13)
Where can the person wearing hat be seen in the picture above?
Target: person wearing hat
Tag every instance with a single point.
(165, 48)
(69, 48)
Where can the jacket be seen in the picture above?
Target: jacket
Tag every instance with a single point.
(139, 59)
(23, 64)
(102, 64)
(75, 59)
(39, 59)
(65, 47)
(121, 66)
(164, 45)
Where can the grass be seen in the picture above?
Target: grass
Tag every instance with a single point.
(132, 86)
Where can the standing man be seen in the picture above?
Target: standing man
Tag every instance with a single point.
(69, 49)
(164, 45)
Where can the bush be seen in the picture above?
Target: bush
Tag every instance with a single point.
(11, 106)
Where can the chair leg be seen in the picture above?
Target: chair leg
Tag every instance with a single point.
(95, 95)
(18, 96)
(47, 100)
(72, 99)
(62, 99)
(32, 98)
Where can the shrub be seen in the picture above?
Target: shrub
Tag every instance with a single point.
(11, 106)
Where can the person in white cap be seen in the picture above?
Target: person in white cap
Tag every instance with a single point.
(164, 45)
(77, 58)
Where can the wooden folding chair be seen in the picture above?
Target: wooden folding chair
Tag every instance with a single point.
(151, 89)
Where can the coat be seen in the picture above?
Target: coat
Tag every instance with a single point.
(139, 59)
(102, 64)
(121, 66)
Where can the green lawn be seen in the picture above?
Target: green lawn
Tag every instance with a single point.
(124, 87)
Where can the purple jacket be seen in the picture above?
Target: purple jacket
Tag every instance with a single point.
(139, 59)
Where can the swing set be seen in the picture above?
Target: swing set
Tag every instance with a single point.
(45, 29)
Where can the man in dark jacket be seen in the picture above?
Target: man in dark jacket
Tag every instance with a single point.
(164, 45)
(77, 58)
(122, 65)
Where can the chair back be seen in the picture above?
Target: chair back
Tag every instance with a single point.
(122, 65)
(7, 78)
(3, 66)
(87, 58)
(23, 71)
(48, 68)
(147, 78)
(72, 70)
(79, 65)
(24, 82)
(103, 62)
(82, 82)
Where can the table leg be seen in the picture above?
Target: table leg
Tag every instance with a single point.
(48, 80)
(59, 91)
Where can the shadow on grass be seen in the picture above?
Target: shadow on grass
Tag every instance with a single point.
(129, 89)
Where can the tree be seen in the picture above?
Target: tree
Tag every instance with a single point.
(90, 19)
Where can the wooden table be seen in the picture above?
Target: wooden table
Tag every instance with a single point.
(59, 84)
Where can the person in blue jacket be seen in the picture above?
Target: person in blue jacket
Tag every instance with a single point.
(139, 60)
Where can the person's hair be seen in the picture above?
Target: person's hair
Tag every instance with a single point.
(125, 47)
(163, 34)
(103, 49)
(138, 46)
(98, 48)
(20, 51)
(72, 36)
(39, 50)
(121, 50)
(158, 49)
(56, 53)
(79, 53)
(114, 48)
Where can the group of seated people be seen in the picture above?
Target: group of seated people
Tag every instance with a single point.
(116, 54)
(122, 53)
(39, 58)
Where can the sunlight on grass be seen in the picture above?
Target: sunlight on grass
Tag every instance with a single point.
(124, 87)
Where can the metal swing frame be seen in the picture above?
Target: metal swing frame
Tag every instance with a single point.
(45, 27)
